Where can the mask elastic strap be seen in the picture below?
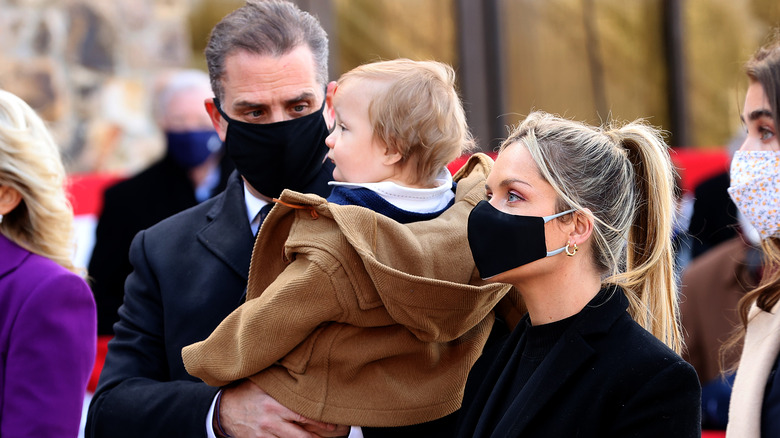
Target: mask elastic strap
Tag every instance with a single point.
(548, 219)
(218, 105)
(553, 216)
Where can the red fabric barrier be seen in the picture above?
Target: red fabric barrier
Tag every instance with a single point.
(697, 165)
(100, 358)
(86, 191)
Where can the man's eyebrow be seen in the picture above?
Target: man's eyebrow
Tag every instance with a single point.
(243, 104)
(306, 95)
(757, 114)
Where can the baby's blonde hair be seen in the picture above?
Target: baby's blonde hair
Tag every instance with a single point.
(30, 162)
(417, 112)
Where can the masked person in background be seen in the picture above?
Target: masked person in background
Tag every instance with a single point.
(193, 169)
(754, 410)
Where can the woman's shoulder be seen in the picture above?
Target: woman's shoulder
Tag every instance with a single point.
(636, 351)
(45, 276)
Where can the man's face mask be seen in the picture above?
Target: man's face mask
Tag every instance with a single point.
(277, 156)
(501, 242)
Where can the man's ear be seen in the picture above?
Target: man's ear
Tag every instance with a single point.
(216, 118)
(9, 199)
(330, 111)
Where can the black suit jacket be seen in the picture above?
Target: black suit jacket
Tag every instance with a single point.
(714, 217)
(190, 272)
(160, 191)
(605, 377)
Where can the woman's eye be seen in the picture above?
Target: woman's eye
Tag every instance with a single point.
(765, 133)
(514, 197)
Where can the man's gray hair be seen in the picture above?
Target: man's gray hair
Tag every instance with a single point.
(265, 27)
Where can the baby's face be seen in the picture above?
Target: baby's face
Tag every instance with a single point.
(358, 155)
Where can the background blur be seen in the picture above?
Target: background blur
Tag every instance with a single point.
(90, 66)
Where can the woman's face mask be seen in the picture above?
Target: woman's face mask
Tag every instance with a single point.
(755, 189)
(501, 242)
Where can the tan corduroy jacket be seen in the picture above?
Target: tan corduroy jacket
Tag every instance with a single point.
(352, 318)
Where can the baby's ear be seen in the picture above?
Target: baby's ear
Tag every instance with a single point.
(392, 156)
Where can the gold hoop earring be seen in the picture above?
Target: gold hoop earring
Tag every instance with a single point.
(568, 253)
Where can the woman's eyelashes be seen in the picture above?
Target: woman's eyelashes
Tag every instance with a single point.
(765, 133)
(514, 196)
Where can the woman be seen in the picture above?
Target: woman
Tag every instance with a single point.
(580, 222)
(47, 313)
(754, 409)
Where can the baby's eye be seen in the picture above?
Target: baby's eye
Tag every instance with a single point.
(342, 126)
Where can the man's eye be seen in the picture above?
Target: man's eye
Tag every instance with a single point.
(256, 113)
(299, 108)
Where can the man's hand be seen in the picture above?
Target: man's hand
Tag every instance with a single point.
(247, 411)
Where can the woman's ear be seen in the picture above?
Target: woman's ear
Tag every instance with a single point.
(583, 226)
(9, 199)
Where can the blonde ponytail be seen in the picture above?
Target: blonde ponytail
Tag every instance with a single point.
(625, 177)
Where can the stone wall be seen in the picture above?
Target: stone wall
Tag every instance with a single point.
(89, 67)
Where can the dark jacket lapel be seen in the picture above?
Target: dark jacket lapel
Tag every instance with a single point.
(227, 233)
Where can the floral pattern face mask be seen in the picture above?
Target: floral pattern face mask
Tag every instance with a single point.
(755, 189)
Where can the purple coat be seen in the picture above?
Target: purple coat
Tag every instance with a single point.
(47, 345)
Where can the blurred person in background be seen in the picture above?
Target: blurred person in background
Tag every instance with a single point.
(193, 169)
(754, 410)
(47, 313)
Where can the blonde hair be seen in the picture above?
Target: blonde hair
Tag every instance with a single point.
(30, 163)
(624, 175)
(418, 112)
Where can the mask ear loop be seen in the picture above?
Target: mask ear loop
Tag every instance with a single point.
(574, 251)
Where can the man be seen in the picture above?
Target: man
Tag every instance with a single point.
(268, 67)
(193, 169)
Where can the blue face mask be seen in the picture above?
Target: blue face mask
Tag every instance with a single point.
(501, 242)
(190, 149)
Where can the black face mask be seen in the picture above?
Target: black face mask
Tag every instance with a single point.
(277, 156)
(501, 242)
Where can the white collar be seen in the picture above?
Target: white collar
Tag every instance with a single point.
(408, 198)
